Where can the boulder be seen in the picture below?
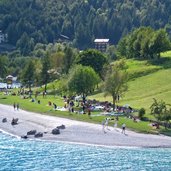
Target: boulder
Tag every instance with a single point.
(4, 120)
(39, 134)
(61, 127)
(55, 131)
(24, 136)
(14, 121)
(32, 132)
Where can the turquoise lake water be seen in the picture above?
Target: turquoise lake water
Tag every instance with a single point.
(28, 155)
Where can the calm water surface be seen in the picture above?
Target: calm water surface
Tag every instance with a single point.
(23, 155)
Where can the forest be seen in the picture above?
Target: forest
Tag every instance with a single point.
(79, 22)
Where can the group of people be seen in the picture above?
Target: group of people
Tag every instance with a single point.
(54, 105)
(106, 122)
(16, 106)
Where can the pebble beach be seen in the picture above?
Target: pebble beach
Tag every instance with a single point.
(75, 131)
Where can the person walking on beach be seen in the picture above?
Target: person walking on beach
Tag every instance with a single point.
(116, 122)
(14, 105)
(123, 128)
(18, 106)
(103, 126)
(107, 122)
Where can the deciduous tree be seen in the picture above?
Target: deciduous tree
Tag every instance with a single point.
(92, 58)
(161, 111)
(45, 75)
(28, 74)
(115, 83)
(3, 66)
(82, 80)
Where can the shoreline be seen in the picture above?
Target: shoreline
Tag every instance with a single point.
(76, 132)
(81, 143)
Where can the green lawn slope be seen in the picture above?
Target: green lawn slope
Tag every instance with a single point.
(148, 80)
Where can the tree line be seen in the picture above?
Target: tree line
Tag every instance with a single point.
(144, 43)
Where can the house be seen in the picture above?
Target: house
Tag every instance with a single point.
(101, 44)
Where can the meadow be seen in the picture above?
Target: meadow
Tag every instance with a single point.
(148, 80)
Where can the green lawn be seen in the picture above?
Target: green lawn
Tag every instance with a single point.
(154, 81)
(43, 108)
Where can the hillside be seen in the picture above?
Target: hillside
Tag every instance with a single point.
(34, 21)
(154, 81)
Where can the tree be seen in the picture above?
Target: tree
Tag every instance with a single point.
(144, 43)
(37, 72)
(161, 111)
(45, 75)
(115, 83)
(82, 80)
(159, 43)
(141, 113)
(158, 109)
(92, 58)
(122, 47)
(28, 74)
(111, 53)
(61, 86)
(3, 66)
(25, 44)
(56, 61)
(68, 58)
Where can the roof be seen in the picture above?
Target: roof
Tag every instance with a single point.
(101, 40)
(9, 77)
(66, 37)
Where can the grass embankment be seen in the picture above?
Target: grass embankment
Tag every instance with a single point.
(147, 81)
(44, 108)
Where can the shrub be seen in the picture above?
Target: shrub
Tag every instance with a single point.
(141, 113)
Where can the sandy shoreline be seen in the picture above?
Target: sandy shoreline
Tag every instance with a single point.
(76, 131)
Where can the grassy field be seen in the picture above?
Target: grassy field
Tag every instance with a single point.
(154, 81)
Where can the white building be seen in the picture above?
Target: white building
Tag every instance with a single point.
(101, 44)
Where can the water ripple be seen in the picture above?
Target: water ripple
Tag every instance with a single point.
(21, 155)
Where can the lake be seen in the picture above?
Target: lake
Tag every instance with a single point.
(21, 155)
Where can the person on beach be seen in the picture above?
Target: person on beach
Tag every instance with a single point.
(107, 122)
(89, 112)
(14, 105)
(103, 126)
(116, 122)
(18, 106)
(123, 128)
